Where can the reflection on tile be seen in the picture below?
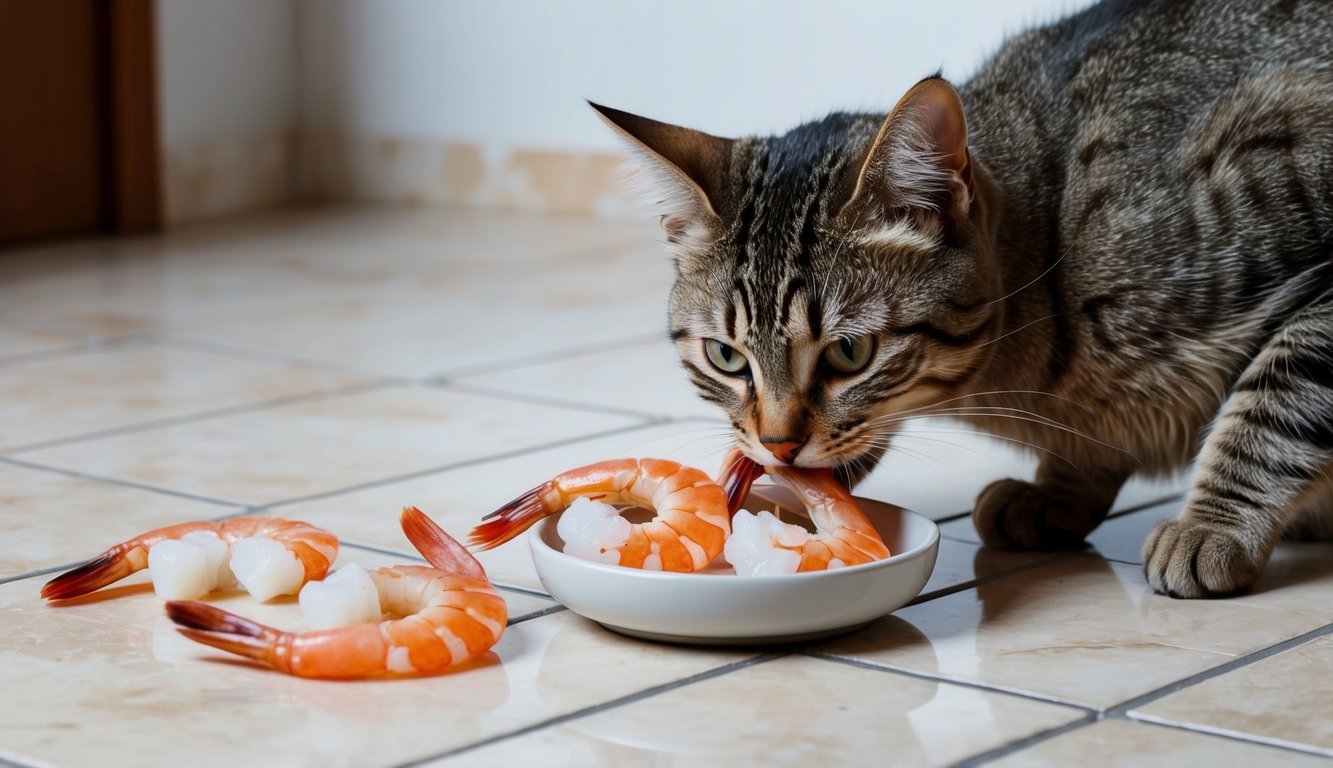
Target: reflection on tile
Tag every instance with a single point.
(1117, 743)
(646, 378)
(326, 444)
(458, 498)
(1095, 621)
(47, 519)
(1283, 699)
(115, 674)
(1114, 538)
(126, 385)
(961, 562)
(792, 711)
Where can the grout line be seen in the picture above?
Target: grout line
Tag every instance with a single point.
(1199, 677)
(1054, 557)
(1021, 744)
(243, 353)
(449, 467)
(1236, 736)
(1141, 506)
(649, 417)
(550, 356)
(41, 572)
(597, 708)
(9, 762)
(557, 608)
(216, 413)
(122, 483)
(56, 353)
(890, 669)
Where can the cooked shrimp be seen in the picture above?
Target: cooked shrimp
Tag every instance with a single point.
(314, 548)
(688, 532)
(449, 612)
(843, 534)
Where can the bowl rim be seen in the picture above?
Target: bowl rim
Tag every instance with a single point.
(536, 540)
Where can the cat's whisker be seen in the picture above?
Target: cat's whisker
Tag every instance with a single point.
(1039, 420)
(1016, 441)
(1031, 282)
(1022, 327)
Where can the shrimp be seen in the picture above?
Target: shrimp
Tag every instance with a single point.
(688, 532)
(844, 535)
(450, 614)
(313, 547)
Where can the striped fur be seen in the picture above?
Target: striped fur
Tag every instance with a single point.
(1129, 267)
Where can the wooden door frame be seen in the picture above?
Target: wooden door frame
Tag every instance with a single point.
(132, 150)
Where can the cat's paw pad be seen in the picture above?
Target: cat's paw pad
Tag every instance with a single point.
(1013, 514)
(1191, 560)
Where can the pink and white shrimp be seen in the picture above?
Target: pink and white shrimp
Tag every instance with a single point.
(269, 555)
(447, 614)
(762, 545)
(688, 532)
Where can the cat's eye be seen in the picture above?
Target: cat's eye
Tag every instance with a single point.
(725, 358)
(850, 353)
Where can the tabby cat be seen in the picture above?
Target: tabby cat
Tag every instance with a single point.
(1114, 243)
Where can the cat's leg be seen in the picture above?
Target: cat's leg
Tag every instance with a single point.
(1058, 510)
(1264, 457)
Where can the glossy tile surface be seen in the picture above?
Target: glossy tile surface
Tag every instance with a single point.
(334, 365)
(266, 456)
(49, 519)
(1118, 743)
(793, 711)
(1095, 621)
(1283, 698)
(132, 385)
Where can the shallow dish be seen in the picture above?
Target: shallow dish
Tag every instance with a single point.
(717, 607)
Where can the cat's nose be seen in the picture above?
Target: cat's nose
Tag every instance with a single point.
(784, 452)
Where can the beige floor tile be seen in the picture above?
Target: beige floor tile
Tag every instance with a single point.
(1118, 743)
(793, 711)
(21, 341)
(125, 385)
(448, 289)
(646, 378)
(323, 445)
(960, 562)
(48, 519)
(458, 498)
(113, 675)
(1081, 629)
(1284, 699)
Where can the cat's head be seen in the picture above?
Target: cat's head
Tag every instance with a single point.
(829, 278)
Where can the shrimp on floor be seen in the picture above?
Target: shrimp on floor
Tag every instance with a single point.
(763, 545)
(688, 532)
(449, 613)
(270, 556)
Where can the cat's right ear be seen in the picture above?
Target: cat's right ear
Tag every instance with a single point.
(688, 165)
(918, 166)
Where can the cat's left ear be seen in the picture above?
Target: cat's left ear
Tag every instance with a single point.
(918, 164)
(690, 167)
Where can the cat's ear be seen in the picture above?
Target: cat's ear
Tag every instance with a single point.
(918, 165)
(689, 166)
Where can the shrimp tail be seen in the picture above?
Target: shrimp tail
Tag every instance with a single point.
(107, 568)
(221, 629)
(439, 548)
(738, 473)
(512, 519)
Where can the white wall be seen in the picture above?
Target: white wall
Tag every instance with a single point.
(227, 85)
(516, 71)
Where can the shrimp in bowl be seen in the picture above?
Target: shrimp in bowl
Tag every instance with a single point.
(447, 614)
(761, 544)
(687, 533)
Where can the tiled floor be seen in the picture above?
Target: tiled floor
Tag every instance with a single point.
(335, 365)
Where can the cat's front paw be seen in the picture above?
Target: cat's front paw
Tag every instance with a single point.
(1013, 514)
(1191, 559)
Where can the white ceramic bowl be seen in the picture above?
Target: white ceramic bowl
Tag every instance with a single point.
(717, 607)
